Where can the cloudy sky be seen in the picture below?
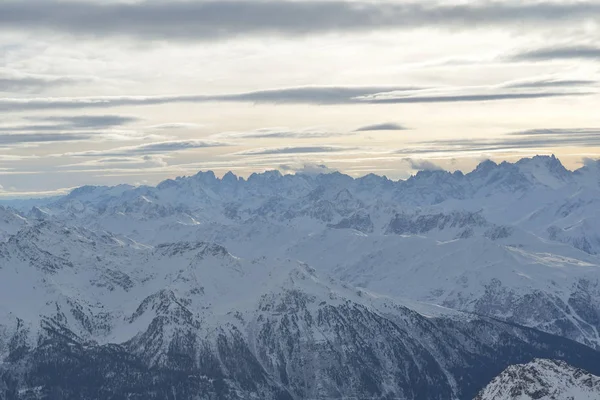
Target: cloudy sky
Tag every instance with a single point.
(107, 92)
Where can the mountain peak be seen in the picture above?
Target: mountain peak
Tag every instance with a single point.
(207, 177)
(485, 166)
(230, 177)
(547, 170)
(266, 175)
(542, 379)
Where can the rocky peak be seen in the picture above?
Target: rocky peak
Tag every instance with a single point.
(542, 379)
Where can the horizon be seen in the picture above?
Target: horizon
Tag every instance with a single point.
(309, 170)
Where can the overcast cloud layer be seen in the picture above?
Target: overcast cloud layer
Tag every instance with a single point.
(205, 20)
(107, 92)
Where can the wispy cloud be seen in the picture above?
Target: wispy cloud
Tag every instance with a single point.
(307, 169)
(293, 95)
(467, 98)
(7, 195)
(314, 95)
(132, 162)
(279, 133)
(7, 140)
(554, 132)
(174, 126)
(524, 140)
(388, 126)
(19, 82)
(567, 52)
(422, 165)
(52, 129)
(211, 19)
(550, 83)
(296, 150)
(150, 148)
(70, 123)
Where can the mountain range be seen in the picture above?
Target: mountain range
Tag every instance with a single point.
(442, 286)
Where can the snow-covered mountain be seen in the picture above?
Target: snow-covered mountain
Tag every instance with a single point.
(10, 222)
(542, 379)
(115, 315)
(301, 286)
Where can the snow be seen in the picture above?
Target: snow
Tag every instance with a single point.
(542, 379)
(447, 244)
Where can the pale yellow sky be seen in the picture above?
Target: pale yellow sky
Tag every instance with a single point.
(452, 84)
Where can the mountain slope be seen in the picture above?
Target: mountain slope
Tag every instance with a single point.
(542, 379)
(301, 286)
(171, 321)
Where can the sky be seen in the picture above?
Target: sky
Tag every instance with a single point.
(108, 92)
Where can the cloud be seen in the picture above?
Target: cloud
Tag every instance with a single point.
(312, 94)
(307, 169)
(50, 129)
(278, 133)
(89, 121)
(14, 157)
(422, 165)
(174, 126)
(554, 131)
(7, 140)
(465, 98)
(315, 95)
(212, 19)
(18, 82)
(149, 148)
(531, 139)
(568, 52)
(295, 150)
(549, 83)
(590, 162)
(8, 195)
(293, 95)
(389, 126)
(133, 162)
(14, 139)
(70, 123)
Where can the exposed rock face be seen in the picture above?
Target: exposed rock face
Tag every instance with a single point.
(542, 379)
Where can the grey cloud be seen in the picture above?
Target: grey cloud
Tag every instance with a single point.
(210, 19)
(278, 133)
(312, 94)
(295, 150)
(389, 126)
(465, 98)
(150, 148)
(550, 83)
(89, 121)
(131, 162)
(559, 53)
(174, 125)
(590, 162)
(533, 139)
(316, 95)
(422, 165)
(33, 83)
(112, 160)
(294, 95)
(574, 131)
(6, 140)
(308, 169)
(70, 123)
